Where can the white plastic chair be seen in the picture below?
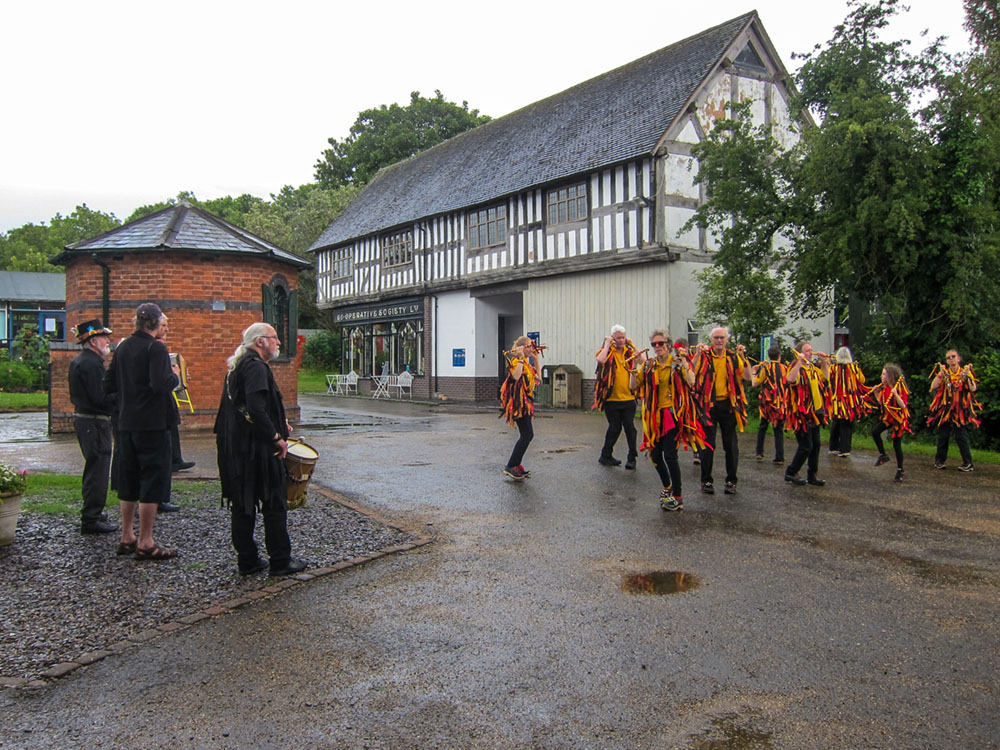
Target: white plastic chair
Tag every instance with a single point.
(349, 382)
(403, 382)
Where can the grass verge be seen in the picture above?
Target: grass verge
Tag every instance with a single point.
(312, 381)
(60, 494)
(14, 402)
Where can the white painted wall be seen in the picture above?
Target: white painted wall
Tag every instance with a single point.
(455, 329)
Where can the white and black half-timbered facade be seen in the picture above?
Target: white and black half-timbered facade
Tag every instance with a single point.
(556, 221)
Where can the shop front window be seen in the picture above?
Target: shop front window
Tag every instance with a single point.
(389, 348)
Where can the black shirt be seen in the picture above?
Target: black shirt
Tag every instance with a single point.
(86, 372)
(141, 375)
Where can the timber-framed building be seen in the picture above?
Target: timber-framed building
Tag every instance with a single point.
(556, 221)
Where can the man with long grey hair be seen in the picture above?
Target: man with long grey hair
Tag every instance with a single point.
(252, 439)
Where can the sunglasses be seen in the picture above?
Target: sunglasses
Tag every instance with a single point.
(658, 343)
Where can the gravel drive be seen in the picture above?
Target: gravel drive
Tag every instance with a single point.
(67, 594)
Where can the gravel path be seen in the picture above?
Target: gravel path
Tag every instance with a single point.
(66, 594)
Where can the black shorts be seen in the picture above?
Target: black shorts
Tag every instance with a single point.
(145, 465)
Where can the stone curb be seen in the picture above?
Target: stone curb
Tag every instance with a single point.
(222, 608)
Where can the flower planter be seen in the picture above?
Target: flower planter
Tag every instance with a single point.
(10, 509)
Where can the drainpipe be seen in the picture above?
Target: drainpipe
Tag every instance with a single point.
(436, 336)
(107, 283)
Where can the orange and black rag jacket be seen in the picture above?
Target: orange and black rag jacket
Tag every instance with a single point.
(848, 392)
(683, 411)
(954, 403)
(773, 397)
(808, 399)
(516, 394)
(704, 383)
(606, 374)
(891, 414)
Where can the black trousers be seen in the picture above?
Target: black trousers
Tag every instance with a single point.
(961, 433)
(841, 433)
(779, 439)
(94, 436)
(897, 443)
(620, 416)
(525, 433)
(807, 451)
(724, 420)
(664, 458)
(279, 546)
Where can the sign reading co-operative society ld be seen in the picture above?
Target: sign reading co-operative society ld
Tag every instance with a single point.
(398, 310)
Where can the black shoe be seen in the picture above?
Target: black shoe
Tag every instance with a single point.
(882, 459)
(730, 488)
(815, 481)
(292, 566)
(247, 570)
(182, 465)
(630, 463)
(899, 476)
(795, 479)
(609, 461)
(777, 461)
(167, 508)
(98, 527)
(966, 467)
(708, 488)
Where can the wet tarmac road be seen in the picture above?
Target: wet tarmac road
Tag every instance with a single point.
(861, 614)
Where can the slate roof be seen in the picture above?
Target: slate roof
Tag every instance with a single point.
(609, 119)
(31, 286)
(181, 227)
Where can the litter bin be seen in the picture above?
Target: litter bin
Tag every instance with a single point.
(567, 386)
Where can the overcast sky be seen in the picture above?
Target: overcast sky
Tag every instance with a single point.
(120, 104)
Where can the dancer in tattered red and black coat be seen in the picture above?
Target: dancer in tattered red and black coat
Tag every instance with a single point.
(808, 410)
(891, 397)
(517, 400)
(953, 408)
(772, 400)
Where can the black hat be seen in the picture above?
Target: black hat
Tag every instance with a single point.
(91, 328)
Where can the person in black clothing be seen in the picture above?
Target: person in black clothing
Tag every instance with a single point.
(92, 423)
(252, 440)
(143, 379)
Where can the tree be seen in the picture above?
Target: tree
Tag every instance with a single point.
(233, 210)
(388, 134)
(29, 247)
(292, 220)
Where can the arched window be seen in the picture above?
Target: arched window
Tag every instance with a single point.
(279, 306)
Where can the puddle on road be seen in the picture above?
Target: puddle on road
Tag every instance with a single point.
(659, 582)
(733, 736)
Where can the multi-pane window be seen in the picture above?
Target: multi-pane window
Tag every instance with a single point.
(397, 249)
(488, 227)
(341, 263)
(567, 204)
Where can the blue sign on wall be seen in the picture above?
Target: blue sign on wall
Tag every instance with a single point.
(458, 357)
(534, 336)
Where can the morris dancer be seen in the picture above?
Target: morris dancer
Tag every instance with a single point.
(719, 376)
(891, 396)
(516, 401)
(669, 414)
(613, 395)
(808, 409)
(847, 399)
(953, 408)
(772, 399)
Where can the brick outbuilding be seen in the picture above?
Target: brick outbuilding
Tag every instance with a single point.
(212, 278)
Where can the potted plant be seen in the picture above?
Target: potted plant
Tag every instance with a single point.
(12, 486)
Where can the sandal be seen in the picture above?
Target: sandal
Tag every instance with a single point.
(126, 548)
(155, 553)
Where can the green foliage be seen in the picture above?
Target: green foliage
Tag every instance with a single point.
(31, 351)
(29, 247)
(312, 381)
(893, 207)
(16, 377)
(233, 210)
(986, 364)
(323, 351)
(387, 134)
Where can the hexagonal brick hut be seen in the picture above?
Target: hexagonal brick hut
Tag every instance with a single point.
(211, 278)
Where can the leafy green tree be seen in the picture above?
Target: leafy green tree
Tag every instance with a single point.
(233, 210)
(293, 219)
(29, 247)
(387, 134)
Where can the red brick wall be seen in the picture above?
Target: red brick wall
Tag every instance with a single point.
(184, 285)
